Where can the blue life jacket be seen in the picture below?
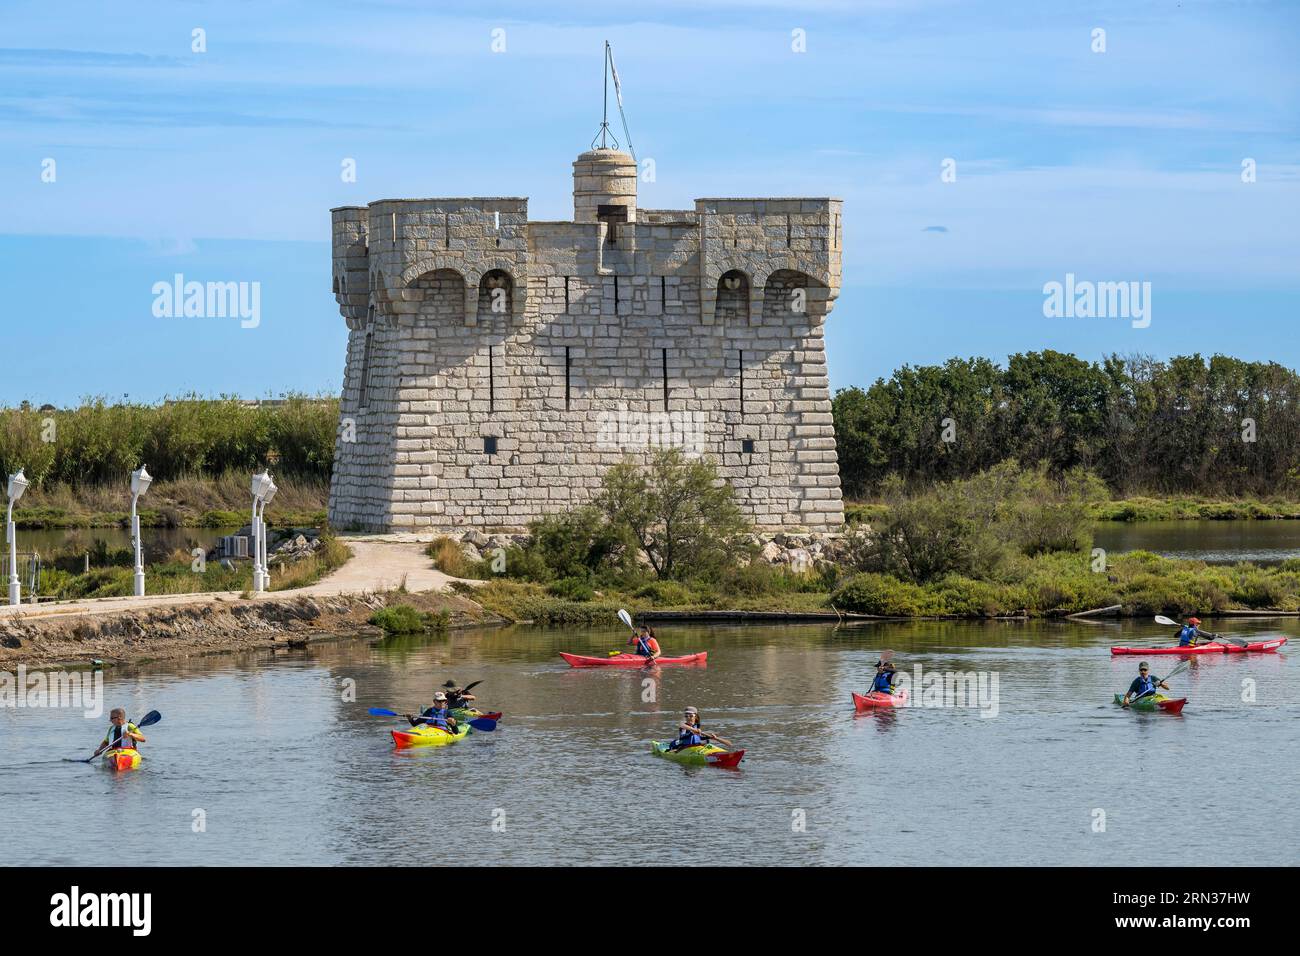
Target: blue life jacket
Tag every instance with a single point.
(689, 738)
(883, 682)
(1145, 685)
(437, 717)
(1186, 634)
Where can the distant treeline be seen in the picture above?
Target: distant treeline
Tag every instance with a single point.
(99, 442)
(1216, 427)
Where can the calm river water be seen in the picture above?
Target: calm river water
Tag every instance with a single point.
(284, 771)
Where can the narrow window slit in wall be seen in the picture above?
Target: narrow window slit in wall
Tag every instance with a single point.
(446, 232)
(788, 230)
(492, 380)
(566, 293)
(363, 400)
(568, 367)
(615, 295)
(663, 290)
(664, 360)
(740, 357)
(394, 228)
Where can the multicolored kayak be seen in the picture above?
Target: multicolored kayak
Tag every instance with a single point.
(123, 759)
(1154, 702)
(1255, 647)
(700, 755)
(426, 736)
(877, 699)
(631, 660)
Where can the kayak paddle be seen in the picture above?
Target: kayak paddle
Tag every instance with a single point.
(148, 720)
(485, 724)
(1240, 642)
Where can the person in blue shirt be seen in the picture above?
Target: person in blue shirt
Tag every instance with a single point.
(439, 715)
(884, 680)
(1190, 632)
(1144, 685)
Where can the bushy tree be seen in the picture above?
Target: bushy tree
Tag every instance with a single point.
(679, 512)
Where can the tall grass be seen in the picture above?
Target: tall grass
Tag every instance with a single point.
(101, 443)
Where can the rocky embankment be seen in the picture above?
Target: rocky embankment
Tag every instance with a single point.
(799, 552)
(218, 626)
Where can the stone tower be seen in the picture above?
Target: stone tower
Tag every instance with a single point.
(497, 367)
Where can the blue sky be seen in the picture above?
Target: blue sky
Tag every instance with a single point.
(1116, 166)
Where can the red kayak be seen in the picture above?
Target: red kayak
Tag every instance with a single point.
(1259, 647)
(877, 699)
(631, 660)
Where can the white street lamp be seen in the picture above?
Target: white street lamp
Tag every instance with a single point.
(261, 482)
(17, 485)
(265, 536)
(140, 480)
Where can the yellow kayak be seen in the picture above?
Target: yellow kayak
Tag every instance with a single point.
(122, 759)
(427, 736)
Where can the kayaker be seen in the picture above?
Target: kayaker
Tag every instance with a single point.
(458, 697)
(646, 645)
(122, 735)
(884, 682)
(1144, 685)
(689, 733)
(439, 715)
(1189, 632)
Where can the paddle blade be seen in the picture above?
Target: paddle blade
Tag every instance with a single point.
(471, 687)
(381, 712)
(149, 719)
(625, 618)
(485, 724)
(1161, 619)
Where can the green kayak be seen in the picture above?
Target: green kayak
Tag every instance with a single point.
(1154, 702)
(700, 755)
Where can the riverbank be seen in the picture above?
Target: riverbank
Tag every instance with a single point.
(224, 624)
(1135, 585)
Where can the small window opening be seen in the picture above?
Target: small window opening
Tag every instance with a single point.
(747, 446)
(489, 444)
(664, 358)
(568, 367)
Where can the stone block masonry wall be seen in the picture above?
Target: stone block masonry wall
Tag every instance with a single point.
(497, 368)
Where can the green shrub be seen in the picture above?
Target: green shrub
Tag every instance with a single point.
(883, 594)
(572, 589)
(402, 619)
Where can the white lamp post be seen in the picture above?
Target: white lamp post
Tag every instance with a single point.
(261, 482)
(17, 485)
(140, 480)
(264, 536)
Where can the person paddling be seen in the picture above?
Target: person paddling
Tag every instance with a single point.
(439, 715)
(122, 735)
(458, 697)
(884, 680)
(1144, 685)
(646, 645)
(1190, 632)
(690, 734)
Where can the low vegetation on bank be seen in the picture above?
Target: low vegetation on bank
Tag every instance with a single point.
(1010, 541)
(113, 575)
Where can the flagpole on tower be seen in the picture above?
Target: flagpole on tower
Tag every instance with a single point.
(605, 135)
